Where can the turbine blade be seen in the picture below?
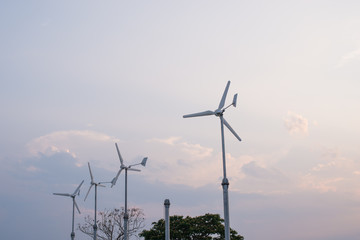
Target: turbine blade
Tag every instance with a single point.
(134, 169)
(104, 182)
(77, 207)
(222, 102)
(234, 100)
(143, 162)
(91, 176)
(118, 151)
(88, 192)
(199, 114)
(63, 194)
(100, 185)
(231, 130)
(78, 188)
(113, 182)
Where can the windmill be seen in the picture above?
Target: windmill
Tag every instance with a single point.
(113, 182)
(219, 112)
(76, 192)
(92, 183)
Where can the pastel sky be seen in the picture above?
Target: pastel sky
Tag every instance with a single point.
(78, 76)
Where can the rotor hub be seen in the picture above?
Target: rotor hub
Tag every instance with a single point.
(219, 112)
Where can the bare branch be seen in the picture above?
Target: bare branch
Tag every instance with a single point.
(111, 224)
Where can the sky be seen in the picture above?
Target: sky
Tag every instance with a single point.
(78, 76)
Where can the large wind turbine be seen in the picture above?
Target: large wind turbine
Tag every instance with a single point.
(219, 112)
(113, 182)
(92, 183)
(77, 192)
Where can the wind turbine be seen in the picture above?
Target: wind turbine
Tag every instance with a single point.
(113, 182)
(92, 183)
(219, 112)
(76, 192)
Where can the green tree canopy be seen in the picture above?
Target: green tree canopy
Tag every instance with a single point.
(206, 227)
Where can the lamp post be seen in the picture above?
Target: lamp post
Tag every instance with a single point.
(167, 219)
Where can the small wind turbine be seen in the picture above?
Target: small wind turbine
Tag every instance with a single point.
(113, 182)
(92, 183)
(219, 112)
(77, 192)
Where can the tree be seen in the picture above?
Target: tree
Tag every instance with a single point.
(206, 227)
(111, 224)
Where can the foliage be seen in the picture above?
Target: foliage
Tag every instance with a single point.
(206, 227)
(110, 224)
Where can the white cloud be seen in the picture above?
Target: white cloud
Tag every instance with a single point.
(83, 146)
(169, 141)
(333, 172)
(296, 124)
(175, 161)
(196, 150)
(311, 181)
(255, 170)
(348, 57)
(181, 162)
(191, 149)
(260, 173)
(178, 162)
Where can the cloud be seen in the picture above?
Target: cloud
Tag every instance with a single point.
(188, 148)
(194, 165)
(255, 170)
(332, 172)
(174, 161)
(348, 57)
(311, 181)
(261, 174)
(296, 124)
(83, 146)
(169, 141)
(196, 150)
